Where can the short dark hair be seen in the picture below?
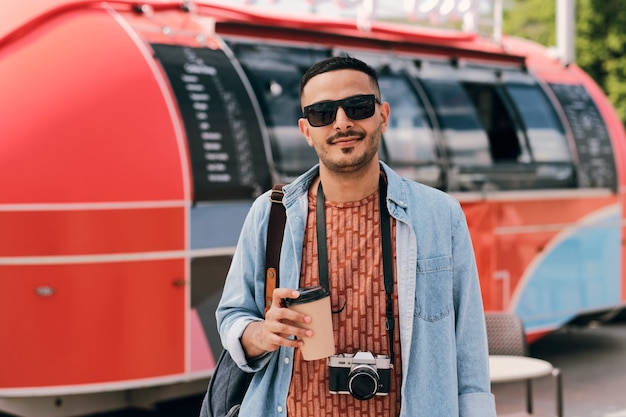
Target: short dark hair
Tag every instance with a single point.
(338, 63)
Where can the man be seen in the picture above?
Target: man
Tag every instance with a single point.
(425, 313)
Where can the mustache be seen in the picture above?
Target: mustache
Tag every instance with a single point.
(346, 134)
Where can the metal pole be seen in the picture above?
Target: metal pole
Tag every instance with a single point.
(566, 30)
(497, 21)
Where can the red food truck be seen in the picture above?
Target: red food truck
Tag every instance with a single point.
(134, 136)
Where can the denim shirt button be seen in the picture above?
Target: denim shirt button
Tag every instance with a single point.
(279, 409)
(286, 361)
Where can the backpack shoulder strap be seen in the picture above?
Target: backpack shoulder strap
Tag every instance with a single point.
(275, 231)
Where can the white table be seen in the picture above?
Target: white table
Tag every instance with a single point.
(504, 368)
(517, 368)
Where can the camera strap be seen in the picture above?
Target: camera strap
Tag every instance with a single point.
(385, 230)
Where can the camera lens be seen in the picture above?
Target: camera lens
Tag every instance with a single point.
(363, 382)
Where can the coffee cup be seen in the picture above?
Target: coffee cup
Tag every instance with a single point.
(315, 302)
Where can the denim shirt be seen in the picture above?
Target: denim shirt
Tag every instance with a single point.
(442, 331)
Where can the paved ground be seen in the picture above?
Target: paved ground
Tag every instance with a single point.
(593, 364)
(592, 360)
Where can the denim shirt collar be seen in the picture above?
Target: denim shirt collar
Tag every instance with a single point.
(397, 199)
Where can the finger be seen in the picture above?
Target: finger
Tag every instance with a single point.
(280, 293)
(279, 334)
(284, 340)
(282, 314)
(287, 328)
(278, 312)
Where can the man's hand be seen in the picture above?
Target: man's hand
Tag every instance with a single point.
(280, 323)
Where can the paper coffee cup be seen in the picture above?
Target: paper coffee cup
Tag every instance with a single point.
(315, 302)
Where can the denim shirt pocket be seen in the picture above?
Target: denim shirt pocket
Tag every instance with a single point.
(433, 293)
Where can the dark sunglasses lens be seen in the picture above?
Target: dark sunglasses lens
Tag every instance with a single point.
(358, 108)
(321, 114)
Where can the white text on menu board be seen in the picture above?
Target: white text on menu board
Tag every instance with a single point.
(216, 157)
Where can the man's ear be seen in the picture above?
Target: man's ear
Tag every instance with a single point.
(303, 124)
(384, 116)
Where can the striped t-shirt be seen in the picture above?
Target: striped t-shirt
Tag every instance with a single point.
(358, 301)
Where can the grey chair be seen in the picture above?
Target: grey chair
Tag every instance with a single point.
(506, 336)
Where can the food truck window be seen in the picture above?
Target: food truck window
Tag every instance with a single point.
(505, 144)
(274, 72)
(224, 139)
(526, 140)
(465, 139)
(409, 140)
(596, 164)
(546, 136)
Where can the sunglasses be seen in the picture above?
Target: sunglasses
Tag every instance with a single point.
(324, 113)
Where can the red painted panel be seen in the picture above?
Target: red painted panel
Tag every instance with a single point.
(480, 223)
(84, 118)
(546, 209)
(80, 232)
(509, 235)
(103, 322)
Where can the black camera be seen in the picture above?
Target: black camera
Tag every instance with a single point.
(362, 375)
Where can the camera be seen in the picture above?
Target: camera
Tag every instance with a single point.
(362, 375)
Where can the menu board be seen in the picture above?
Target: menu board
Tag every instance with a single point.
(223, 132)
(596, 165)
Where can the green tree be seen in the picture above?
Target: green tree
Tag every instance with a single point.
(531, 19)
(601, 46)
(600, 38)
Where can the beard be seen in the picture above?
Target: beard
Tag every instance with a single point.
(352, 159)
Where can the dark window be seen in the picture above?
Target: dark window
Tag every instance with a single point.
(465, 139)
(546, 136)
(504, 142)
(409, 140)
(225, 140)
(275, 72)
(499, 128)
(596, 164)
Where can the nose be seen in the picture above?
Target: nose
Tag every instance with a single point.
(342, 121)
